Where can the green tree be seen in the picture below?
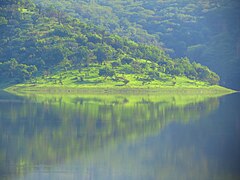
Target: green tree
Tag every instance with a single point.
(103, 53)
(3, 21)
(106, 72)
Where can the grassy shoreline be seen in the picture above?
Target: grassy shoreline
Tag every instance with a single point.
(69, 82)
(74, 89)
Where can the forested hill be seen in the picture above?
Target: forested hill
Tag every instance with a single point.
(43, 38)
(206, 31)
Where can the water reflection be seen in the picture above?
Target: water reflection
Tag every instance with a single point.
(107, 137)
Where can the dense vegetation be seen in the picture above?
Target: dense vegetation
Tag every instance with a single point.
(40, 39)
(206, 31)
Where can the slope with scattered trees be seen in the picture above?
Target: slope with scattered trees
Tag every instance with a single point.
(206, 31)
(40, 41)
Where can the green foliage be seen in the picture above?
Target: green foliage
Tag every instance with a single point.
(94, 38)
(126, 69)
(115, 64)
(103, 53)
(60, 31)
(18, 72)
(153, 75)
(81, 56)
(195, 51)
(3, 21)
(81, 39)
(181, 27)
(127, 60)
(205, 74)
(106, 72)
(46, 37)
(53, 56)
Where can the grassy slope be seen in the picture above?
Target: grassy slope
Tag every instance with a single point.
(70, 81)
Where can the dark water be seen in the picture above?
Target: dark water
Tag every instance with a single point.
(119, 137)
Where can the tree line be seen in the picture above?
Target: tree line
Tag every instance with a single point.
(36, 38)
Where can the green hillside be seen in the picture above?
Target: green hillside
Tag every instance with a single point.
(48, 44)
(206, 31)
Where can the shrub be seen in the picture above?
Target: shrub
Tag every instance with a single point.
(127, 60)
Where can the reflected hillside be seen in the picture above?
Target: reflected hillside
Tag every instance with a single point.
(47, 130)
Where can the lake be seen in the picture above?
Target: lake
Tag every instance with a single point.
(54, 137)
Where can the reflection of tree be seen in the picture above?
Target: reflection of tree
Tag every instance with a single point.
(48, 130)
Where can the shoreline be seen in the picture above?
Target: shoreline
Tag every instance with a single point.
(71, 89)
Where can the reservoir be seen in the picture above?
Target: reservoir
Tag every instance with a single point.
(117, 137)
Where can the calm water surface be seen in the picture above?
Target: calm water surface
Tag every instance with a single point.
(48, 137)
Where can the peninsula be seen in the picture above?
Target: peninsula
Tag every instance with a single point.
(47, 49)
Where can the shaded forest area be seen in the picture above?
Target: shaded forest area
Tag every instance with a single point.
(206, 31)
(42, 35)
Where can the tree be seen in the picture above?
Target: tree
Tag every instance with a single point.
(94, 38)
(106, 72)
(19, 72)
(127, 60)
(81, 56)
(103, 53)
(3, 21)
(53, 55)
